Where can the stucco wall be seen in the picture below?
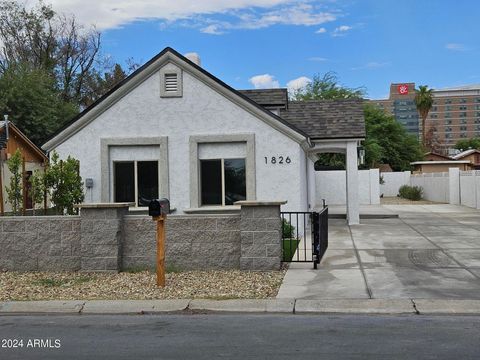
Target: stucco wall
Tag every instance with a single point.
(201, 111)
(331, 186)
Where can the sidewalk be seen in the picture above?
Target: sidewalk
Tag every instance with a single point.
(262, 306)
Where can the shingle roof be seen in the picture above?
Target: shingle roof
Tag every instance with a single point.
(267, 97)
(327, 119)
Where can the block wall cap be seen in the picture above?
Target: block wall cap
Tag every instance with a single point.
(260, 203)
(104, 205)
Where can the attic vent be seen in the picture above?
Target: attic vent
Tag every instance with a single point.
(171, 83)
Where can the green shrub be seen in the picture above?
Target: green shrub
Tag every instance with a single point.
(411, 192)
(287, 229)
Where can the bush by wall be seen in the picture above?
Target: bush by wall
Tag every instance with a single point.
(411, 192)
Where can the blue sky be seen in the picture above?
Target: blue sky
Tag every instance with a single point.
(265, 43)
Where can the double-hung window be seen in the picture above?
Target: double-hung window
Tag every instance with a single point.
(222, 181)
(135, 181)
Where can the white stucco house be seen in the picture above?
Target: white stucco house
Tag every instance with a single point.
(173, 130)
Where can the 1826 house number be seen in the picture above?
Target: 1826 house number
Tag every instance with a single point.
(277, 160)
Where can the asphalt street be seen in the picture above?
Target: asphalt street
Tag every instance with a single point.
(215, 336)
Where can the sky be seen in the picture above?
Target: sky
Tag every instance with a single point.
(284, 43)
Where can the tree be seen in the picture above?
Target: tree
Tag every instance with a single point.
(423, 102)
(64, 183)
(465, 144)
(387, 141)
(30, 97)
(51, 42)
(14, 191)
(327, 87)
(38, 188)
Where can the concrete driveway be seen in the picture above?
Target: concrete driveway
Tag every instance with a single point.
(430, 251)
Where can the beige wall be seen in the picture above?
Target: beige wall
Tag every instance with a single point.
(430, 168)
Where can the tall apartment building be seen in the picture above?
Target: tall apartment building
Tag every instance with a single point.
(401, 104)
(455, 113)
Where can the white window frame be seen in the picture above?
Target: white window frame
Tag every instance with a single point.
(135, 179)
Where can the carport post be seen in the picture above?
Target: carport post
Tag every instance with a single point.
(353, 204)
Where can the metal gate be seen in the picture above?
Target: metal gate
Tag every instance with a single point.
(304, 236)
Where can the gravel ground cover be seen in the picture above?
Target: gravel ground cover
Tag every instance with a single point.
(401, 201)
(219, 285)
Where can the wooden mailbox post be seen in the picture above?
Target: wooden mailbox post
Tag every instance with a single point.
(159, 209)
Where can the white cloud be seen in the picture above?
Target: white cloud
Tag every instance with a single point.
(322, 30)
(297, 84)
(243, 14)
(455, 47)
(342, 30)
(212, 29)
(265, 81)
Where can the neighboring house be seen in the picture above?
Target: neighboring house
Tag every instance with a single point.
(33, 158)
(173, 130)
(440, 166)
(472, 155)
(432, 156)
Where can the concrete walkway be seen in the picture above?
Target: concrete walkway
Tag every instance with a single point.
(429, 252)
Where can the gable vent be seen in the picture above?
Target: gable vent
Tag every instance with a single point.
(171, 83)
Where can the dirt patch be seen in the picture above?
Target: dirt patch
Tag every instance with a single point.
(401, 201)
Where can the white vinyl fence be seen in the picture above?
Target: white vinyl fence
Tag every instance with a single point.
(455, 187)
(331, 186)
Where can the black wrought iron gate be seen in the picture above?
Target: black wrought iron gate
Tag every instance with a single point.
(304, 236)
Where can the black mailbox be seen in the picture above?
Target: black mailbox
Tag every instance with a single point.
(159, 207)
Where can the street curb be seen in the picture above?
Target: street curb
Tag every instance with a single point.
(260, 306)
(245, 305)
(355, 306)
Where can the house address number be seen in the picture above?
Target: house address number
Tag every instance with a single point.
(277, 160)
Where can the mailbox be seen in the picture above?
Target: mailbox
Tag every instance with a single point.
(159, 207)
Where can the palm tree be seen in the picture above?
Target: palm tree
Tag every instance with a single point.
(424, 102)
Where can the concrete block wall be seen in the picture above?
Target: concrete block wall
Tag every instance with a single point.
(40, 243)
(105, 238)
(261, 237)
(192, 242)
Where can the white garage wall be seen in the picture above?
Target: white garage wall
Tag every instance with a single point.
(331, 186)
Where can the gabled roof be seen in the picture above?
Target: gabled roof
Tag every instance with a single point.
(465, 153)
(268, 97)
(153, 65)
(434, 154)
(327, 119)
(15, 130)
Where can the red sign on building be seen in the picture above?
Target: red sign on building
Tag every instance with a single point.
(402, 89)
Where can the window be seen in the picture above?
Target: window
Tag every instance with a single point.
(223, 181)
(448, 101)
(463, 101)
(433, 116)
(448, 136)
(448, 115)
(463, 128)
(463, 135)
(448, 129)
(448, 108)
(448, 122)
(463, 121)
(462, 107)
(135, 181)
(462, 114)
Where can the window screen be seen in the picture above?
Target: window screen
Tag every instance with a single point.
(147, 177)
(235, 185)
